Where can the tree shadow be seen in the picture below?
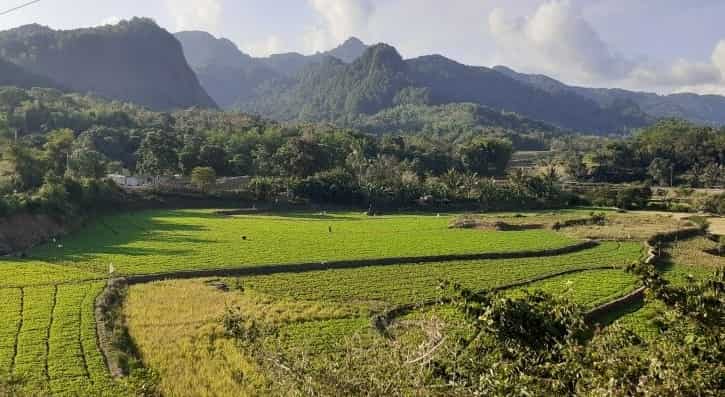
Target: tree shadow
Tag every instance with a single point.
(303, 216)
(112, 235)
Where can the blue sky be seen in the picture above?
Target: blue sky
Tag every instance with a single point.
(660, 45)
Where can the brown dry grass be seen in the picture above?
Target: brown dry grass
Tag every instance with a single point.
(692, 253)
(628, 226)
(176, 326)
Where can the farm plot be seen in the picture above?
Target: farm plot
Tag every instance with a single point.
(412, 283)
(590, 288)
(167, 241)
(176, 322)
(48, 338)
(46, 304)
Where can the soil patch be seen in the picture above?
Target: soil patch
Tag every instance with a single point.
(22, 231)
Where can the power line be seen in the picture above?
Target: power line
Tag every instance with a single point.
(18, 7)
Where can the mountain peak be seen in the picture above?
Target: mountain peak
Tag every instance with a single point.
(203, 49)
(382, 53)
(348, 51)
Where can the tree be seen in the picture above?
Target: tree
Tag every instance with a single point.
(486, 156)
(215, 157)
(22, 166)
(10, 99)
(712, 175)
(633, 197)
(158, 153)
(660, 170)
(58, 149)
(203, 177)
(87, 163)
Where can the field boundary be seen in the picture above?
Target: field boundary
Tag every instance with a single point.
(251, 270)
(654, 246)
(382, 320)
(17, 332)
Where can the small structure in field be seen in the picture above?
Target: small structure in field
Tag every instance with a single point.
(474, 222)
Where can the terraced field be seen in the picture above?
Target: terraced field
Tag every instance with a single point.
(315, 311)
(166, 241)
(47, 325)
(48, 337)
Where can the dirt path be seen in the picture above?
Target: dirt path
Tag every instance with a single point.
(717, 225)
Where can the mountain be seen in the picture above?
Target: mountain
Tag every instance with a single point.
(135, 61)
(13, 75)
(381, 78)
(232, 77)
(456, 118)
(705, 109)
(228, 75)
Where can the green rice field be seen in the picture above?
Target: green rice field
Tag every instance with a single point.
(167, 241)
(48, 331)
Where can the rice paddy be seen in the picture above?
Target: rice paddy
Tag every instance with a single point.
(47, 323)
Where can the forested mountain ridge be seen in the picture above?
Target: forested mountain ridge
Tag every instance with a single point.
(706, 109)
(133, 61)
(13, 75)
(232, 77)
(381, 79)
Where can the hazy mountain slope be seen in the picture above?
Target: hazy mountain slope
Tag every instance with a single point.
(708, 109)
(13, 75)
(232, 77)
(290, 64)
(336, 91)
(228, 75)
(454, 118)
(134, 61)
(380, 79)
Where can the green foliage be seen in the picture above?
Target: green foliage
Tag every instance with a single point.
(381, 84)
(486, 157)
(203, 177)
(671, 151)
(540, 344)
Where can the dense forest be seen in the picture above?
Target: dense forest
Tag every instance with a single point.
(381, 79)
(51, 139)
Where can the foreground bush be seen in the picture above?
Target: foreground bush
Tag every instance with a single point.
(534, 345)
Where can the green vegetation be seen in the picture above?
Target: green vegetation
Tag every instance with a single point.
(671, 152)
(589, 289)
(129, 73)
(382, 284)
(48, 339)
(165, 241)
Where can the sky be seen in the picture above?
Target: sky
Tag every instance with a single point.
(663, 46)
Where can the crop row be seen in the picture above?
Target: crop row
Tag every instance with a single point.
(412, 283)
(10, 317)
(163, 241)
(590, 288)
(48, 337)
(32, 343)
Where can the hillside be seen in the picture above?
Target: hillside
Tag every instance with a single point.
(232, 77)
(450, 118)
(706, 109)
(134, 61)
(13, 75)
(381, 79)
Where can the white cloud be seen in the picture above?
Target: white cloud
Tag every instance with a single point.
(340, 20)
(270, 45)
(195, 14)
(113, 20)
(557, 40)
(718, 57)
